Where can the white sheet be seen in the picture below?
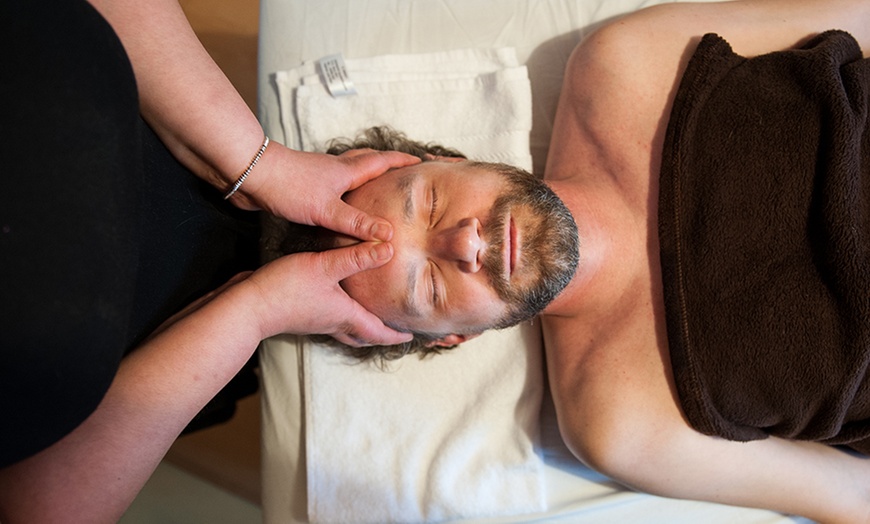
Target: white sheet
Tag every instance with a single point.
(544, 32)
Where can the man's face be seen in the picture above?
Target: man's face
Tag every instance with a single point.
(464, 249)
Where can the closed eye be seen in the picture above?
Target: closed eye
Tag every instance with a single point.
(433, 208)
(434, 281)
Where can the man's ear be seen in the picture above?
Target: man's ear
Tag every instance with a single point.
(449, 341)
(431, 157)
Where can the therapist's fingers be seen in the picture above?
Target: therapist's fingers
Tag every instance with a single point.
(343, 262)
(365, 329)
(369, 164)
(364, 165)
(302, 294)
(359, 326)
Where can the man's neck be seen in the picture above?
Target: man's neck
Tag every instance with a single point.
(608, 249)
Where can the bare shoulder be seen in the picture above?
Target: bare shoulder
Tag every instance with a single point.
(621, 79)
(615, 97)
(611, 384)
(613, 416)
(752, 27)
(646, 49)
(638, 54)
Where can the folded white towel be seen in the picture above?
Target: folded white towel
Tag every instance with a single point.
(477, 101)
(422, 108)
(447, 437)
(430, 440)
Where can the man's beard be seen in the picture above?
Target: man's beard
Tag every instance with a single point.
(549, 249)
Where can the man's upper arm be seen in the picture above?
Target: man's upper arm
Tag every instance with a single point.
(755, 27)
(667, 458)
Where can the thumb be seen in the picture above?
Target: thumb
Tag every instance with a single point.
(341, 263)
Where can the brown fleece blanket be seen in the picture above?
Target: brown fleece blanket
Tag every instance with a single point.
(764, 222)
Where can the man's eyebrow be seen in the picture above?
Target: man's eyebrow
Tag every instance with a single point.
(406, 187)
(410, 304)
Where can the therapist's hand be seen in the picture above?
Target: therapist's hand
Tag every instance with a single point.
(306, 188)
(300, 294)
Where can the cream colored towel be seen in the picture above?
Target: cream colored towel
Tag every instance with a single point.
(431, 440)
(477, 101)
(453, 436)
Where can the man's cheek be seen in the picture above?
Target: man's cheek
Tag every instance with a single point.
(361, 288)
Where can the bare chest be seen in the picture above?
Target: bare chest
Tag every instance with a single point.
(611, 356)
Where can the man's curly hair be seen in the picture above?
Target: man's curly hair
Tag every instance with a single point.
(383, 138)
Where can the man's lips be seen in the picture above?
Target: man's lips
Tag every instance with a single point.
(512, 247)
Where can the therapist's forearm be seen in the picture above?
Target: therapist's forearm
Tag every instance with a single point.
(95, 472)
(184, 95)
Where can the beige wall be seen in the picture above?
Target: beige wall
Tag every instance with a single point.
(228, 30)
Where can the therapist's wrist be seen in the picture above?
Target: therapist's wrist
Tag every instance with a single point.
(259, 190)
(237, 184)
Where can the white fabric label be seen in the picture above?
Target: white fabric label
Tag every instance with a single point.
(334, 74)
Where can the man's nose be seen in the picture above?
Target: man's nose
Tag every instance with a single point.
(463, 244)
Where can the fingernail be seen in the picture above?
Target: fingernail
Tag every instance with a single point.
(382, 251)
(382, 231)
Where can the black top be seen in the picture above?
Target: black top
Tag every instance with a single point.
(103, 235)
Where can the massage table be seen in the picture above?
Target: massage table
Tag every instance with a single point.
(298, 483)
